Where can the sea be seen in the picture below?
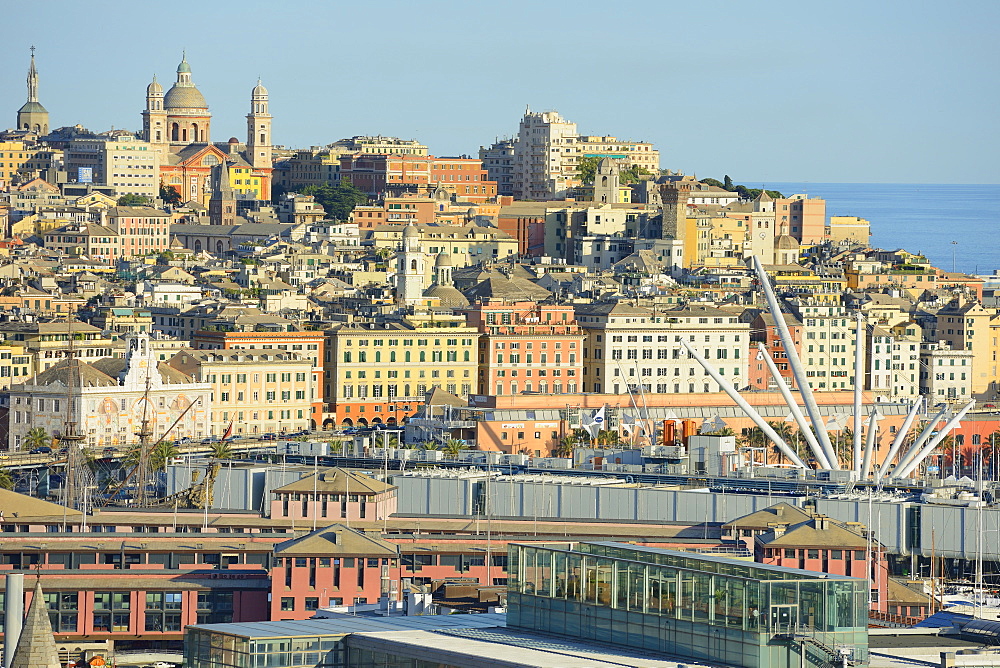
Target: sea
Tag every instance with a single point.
(957, 226)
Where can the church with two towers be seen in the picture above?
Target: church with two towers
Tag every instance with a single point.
(178, 125)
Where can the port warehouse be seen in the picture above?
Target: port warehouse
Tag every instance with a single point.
(905, 526)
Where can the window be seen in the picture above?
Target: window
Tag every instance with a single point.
(287, 603)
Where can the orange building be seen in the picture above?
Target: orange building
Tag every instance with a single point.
(527, 347)
(378, 174)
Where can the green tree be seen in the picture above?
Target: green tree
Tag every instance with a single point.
(713, 182)
(169, 194)
(453, 447)
(339, 200)
(131, 199)
(158, 454)
(586, 168)
(564, 448)
(36, 438)
(430, 445)
(6, 479)
(221, 450)
(727, 182)
(633, 174)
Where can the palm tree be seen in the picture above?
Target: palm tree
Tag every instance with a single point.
(6, 480)
(221, 450)
(565, 447)
(608, 438)
(158, 454)
(36, 438)
(430, 445)
(453, 447)
(785, 431)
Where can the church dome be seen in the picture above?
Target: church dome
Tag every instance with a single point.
(411, 232)
(443, 260)
(154, 87)
(181, 96)
(259, 89)
(449, 296)
(786, 242)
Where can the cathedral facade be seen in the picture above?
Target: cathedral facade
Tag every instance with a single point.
(178, 124)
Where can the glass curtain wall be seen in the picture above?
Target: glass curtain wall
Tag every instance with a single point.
(698, 607)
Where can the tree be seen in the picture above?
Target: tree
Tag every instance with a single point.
(36, 438)
(586, 169)
(131, 199)
(564, 448)
(169, 194)
(6, 479)
(727, 182)
(158, 454)
(339, 200)
(633, 174)
(453, 447)
(221, 450)
(430, 446)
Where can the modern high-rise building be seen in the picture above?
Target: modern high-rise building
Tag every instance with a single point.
(548, 149)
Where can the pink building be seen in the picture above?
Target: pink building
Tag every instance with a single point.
(334, 495)
(822, 544)
(527, 347)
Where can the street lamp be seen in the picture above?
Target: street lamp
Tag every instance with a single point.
(954, 245)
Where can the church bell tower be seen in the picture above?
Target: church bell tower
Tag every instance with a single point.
(32, 116)
(259, 129)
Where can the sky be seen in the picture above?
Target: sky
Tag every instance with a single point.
(843, 91)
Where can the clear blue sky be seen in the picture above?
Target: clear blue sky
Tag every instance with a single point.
(851, 91)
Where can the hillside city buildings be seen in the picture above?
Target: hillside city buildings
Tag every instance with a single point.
(362, 377)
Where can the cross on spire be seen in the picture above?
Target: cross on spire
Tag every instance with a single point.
(32, 49)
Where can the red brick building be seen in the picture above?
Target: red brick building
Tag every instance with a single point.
(379, 174)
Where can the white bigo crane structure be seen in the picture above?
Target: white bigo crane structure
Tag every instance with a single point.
(811, 424)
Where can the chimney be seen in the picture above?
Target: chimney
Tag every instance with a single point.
(778, 529)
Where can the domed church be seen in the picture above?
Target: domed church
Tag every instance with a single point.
(179, 124)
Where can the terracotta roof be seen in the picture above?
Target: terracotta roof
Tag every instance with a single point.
(337, 539)
(21, 508)
(783, 513)
(82, 374)
(814, 532)
(337, 481)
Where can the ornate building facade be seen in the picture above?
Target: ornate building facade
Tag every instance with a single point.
(178, 124)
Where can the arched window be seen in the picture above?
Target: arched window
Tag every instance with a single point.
(218, 247)
(423, 356)
(466, 356)
(362, 356)
(392, 355)
(406, 358)
(604, 182)
(174, 132)
(378, 356)
(194, 132)
(413, 265)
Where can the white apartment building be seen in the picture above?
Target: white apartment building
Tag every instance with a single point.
(893, 365)
(945, 373)
(129, 164)
(631, 348)
(547, 152)
(827, 353)
(498, 161)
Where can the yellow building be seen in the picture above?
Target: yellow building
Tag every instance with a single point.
(15, 363)
(379, 373)
(20, 157)
(849, 229)
(965, 324)
(243, 181)
(258, 392)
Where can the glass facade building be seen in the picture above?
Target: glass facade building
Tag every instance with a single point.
(698, 607)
